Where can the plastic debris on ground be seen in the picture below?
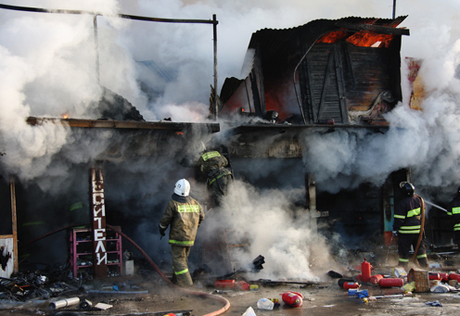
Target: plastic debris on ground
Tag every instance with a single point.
(358, 293)
(103, 306)
(249, 312)
(440, 288)
(265, 304)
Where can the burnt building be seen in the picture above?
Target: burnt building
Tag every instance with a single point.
(324, 77)
(345, 71)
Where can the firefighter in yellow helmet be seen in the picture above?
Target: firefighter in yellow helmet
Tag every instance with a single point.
(183, 214)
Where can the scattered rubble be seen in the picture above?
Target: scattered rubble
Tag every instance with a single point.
(146, 293)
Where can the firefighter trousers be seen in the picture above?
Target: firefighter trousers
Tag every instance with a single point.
(181, 275)
(405, 241)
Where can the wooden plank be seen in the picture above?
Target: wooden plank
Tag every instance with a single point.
(98, 224)
(340, 84)
(161, 125)
(374, 28)
(14, 224)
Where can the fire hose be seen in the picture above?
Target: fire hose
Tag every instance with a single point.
(422, 226)
(220, 298)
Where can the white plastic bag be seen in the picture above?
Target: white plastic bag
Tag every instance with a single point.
(265, 303)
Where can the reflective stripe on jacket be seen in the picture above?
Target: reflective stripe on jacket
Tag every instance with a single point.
(210, 161)
(453, 209)
(183, 219)
(407, 215)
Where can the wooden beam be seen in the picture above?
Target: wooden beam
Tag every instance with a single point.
(374, 28)
(161, 125)
(14, 223)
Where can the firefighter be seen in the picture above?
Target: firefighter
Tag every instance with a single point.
(407, 225)
(183, 214)
(453, 209)
(215, 170)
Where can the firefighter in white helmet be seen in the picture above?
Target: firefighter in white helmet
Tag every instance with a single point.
(183, 214)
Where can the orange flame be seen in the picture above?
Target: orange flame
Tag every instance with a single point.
(332, 37)
(367, 39)
(361, 39)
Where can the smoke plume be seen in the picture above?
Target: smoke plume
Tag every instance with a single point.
(54, 65)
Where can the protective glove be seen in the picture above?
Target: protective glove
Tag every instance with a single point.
(395, 233)
(162, 231)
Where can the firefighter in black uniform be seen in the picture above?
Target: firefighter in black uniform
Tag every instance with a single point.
(453, 209)
(407, 225)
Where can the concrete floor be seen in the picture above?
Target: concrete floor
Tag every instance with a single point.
(324, 298)
(152, 295)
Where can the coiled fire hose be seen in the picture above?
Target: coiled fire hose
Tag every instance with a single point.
(219, 298)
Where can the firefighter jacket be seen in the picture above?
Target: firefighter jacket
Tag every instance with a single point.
(213, 166)
(183, 215)
(453, 208)
(407, 217)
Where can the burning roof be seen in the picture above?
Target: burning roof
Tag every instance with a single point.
(345, 71)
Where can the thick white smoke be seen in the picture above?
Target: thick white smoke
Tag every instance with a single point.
(274, 228)
(48, 68)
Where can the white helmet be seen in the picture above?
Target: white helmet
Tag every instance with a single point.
(182, 187)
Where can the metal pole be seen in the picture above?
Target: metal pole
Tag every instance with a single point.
(394, 9)
(214, 20)
(97, 48)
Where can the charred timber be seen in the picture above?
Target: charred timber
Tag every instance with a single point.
(134, 125)
(281, 128)
(380, 29)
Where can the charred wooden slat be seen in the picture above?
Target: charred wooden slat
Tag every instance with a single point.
(374, 28)
(161, 125)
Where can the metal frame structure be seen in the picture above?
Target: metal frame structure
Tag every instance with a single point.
(214, 22)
